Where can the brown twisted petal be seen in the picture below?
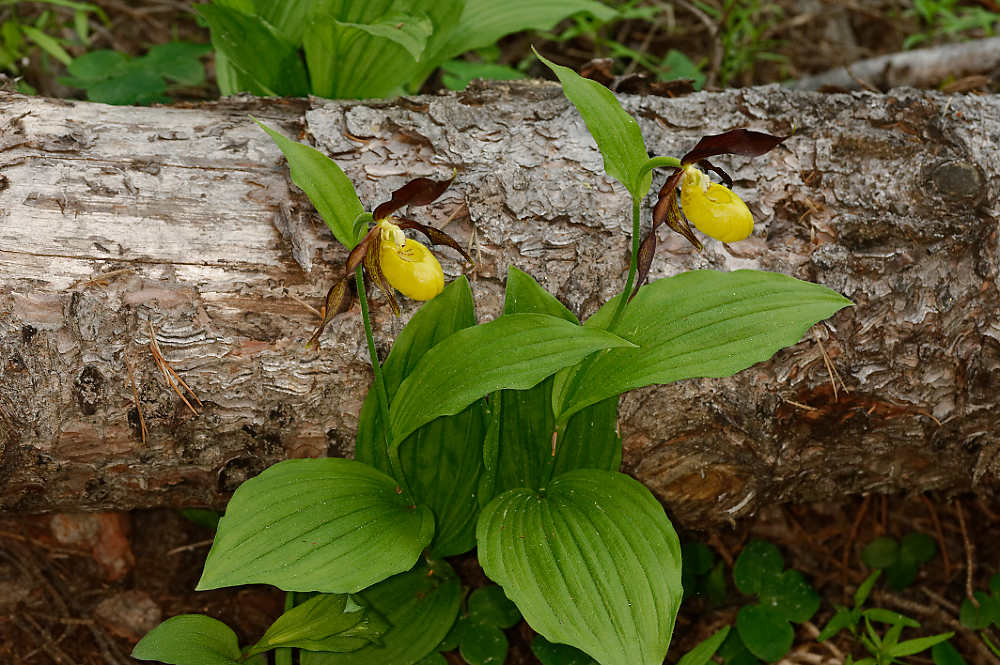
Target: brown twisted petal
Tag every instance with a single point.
(709, 166)
(418, 192)
(435, 236)
(666, 211)
(734, 142)
(374, 270)
(338, 300)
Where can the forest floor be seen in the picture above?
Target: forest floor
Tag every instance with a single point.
(83, 588)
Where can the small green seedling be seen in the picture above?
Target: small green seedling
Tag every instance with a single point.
(887, 649)
(111, 77)
(702, 653)
(785, 597)
(701, 574)
(900, 560)
(478, 635)
(850, 618)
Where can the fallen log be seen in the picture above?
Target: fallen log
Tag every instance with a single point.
(132, 233)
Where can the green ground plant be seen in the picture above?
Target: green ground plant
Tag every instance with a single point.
(784, 597)
(21, 39)
(899, 559)
(950, 19)
(111, 77)
(500, 436)
(343, 49)
(744, 28)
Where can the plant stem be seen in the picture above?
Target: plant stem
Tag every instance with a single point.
(380, 391)
(632, 267)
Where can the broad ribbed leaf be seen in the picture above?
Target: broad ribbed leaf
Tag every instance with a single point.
(326, 185)
(330, 525)
(289, 17)
(325, 622)
(350, 55)
(515, 351)
(591, 561)
(484, 22)
(701, 323)
(408, 30)
(589, 441)
(420, 605)
(617, 133)
(443, 459)
(258, 52)
(190, 639)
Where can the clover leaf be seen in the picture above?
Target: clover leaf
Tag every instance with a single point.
(785, 597)
(900, 560)
(478, 634)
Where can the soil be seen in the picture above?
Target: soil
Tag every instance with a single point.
(84, 588)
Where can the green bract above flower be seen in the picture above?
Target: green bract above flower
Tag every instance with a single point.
(713, 208)
(390, 259)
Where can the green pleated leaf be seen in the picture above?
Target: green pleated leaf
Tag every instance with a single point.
(354, 51)
(484, 22)
(190, 639)
(408, 30)
(326, 185)
(616, 133)
(443, 459)
(591, 561)
(330, 525)
(420, 605)
(515, 351)
(325, 622)
(589, 441)
(289, 17)
(259, 53)
(700, 323)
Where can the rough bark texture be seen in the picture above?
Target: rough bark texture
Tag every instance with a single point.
(891, 200)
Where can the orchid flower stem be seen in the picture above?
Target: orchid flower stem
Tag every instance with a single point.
(632, 267)
(380, 391)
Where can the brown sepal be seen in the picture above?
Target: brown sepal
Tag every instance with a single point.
(668, 211)
(357, 255)
(435, 236)
(418, 192)
(374, 270)
(645, 260)
(734, 142)
(338, 301)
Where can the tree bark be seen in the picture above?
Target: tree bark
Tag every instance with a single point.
(181, 222)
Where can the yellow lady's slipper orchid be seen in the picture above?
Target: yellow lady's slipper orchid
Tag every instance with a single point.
(713, 208)
(408, 266)
(393, 261)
